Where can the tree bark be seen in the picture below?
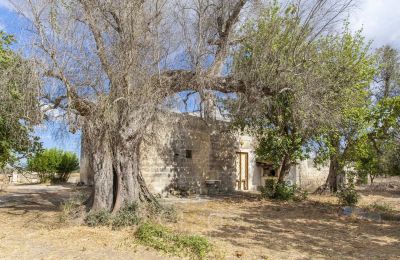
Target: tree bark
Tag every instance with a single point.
(117, 177)
(331, 183)
(284, 169)
(372, 178)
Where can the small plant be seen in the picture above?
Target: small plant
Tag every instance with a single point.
(282, 191)
(268, 191)
(127, 216)
(98, 218)
(348, 195)
(72, 206)
(161, 238)
(383, 207)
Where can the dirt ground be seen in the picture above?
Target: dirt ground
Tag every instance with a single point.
(238, 227)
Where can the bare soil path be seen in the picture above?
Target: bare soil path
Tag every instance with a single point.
(238, 227)
(30, 228)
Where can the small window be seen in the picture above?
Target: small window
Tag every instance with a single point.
(189, 154)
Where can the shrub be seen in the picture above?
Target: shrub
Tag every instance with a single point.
(53, 165)
(348, 196)
(127, 216)
(384, 207)
(161, 238)
(69, 162)
(282, 191)
(98, 218)
(74, 207)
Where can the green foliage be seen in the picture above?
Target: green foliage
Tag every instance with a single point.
(69, 162)
(161, 238)
(127, 216)
(19, 106)
(381, 207)
(300, 77)
(54, 164)
(348, 196)
(377, 152)
(98, 218)
(282, 191)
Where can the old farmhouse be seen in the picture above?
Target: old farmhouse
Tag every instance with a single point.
(191, 157)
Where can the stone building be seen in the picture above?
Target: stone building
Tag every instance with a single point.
(188, 156)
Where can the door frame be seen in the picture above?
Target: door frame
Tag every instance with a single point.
(246, 175)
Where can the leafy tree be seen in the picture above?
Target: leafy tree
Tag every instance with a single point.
(377, 155)
(19, 106)
(54, 164)
(349, 71)
(313, 81)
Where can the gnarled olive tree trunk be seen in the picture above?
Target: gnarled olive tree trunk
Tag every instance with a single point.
(115, 164)
(331, 184)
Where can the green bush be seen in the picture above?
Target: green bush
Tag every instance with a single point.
(53, 165)
(348, 196)
(69, 162)
(127, 216)
(282, 191)
(382, 207)
(98, 218)
(161, 238)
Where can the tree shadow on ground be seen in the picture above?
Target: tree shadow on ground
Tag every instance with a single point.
(23, 199)
(313, 228)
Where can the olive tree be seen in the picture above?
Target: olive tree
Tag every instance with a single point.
(310, 78)
(19, 105)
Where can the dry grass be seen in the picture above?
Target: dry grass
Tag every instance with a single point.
(237, 228)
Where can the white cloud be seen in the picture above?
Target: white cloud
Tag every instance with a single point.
(380, 20)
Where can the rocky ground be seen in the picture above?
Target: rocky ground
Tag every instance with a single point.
(238, 227)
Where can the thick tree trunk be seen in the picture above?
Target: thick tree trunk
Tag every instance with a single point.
(331, 184)
(284, 169)
(117, 178)
(331, 181)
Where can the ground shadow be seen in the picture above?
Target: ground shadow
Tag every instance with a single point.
(312, 228)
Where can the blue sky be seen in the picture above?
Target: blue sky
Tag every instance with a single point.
(380, 20)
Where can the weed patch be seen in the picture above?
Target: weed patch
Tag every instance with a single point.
(127, 216)
(98, 218)
(282, 191)
(163, 239)
(381, 207)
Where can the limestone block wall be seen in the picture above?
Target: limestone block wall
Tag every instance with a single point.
(307, 176)
(185, 154)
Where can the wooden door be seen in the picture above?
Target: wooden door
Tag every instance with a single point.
(242, 171)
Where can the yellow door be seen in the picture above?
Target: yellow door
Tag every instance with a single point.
(242, 173)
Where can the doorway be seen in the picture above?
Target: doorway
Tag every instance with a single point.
(242, 171)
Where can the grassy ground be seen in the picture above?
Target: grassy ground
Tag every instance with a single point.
(30, 228)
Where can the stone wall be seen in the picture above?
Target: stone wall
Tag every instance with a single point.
(185, 154)
(307, 176)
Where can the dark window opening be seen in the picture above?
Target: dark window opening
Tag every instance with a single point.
(189, 154)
